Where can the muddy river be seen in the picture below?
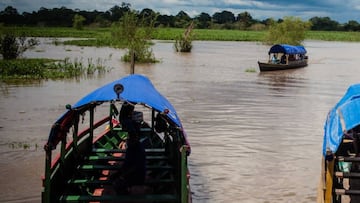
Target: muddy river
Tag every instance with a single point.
(255, 137)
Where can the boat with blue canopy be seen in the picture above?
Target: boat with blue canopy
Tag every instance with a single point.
(284, 56)
(340, 176)
(123, 142)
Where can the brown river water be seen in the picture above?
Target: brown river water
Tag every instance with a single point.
(255, 137)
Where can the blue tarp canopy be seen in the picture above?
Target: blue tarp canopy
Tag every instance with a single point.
(137, 89)
(344, 116)
(287, 49)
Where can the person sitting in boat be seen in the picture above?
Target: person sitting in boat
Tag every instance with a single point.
(132, 174)
(301, 56)
(292, 57)
(274, 59)
(283, 59)
(125, 117)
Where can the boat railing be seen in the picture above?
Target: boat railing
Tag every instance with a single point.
(185, 175)
(70, 148)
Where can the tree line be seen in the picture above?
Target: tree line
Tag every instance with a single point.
(220, 20)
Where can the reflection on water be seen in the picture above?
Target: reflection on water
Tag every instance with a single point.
(255, 137)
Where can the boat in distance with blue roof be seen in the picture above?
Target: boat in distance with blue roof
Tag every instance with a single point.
(283, 57)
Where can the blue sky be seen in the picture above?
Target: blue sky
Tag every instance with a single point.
(339, 10)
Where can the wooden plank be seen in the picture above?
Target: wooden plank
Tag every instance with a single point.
(117, 158)
(107, 181)
(103, 150)
(121, 198)
(117, 167)
(347, 175)
(347, 192)
(348, 159)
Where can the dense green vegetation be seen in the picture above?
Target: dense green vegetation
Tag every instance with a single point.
(333, 36)
(64, 17)
(290, 31)
(135, 33)
(184, 42)
(102, 36)
(48, 68)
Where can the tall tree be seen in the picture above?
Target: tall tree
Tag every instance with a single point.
(135, 34)
(245, 19)
(224, 17)
(165, 21)
(148, 15)
(78, 22)
(118, 11)
(324, 23)
(203, 20)
(182, 19)
(290, 31)
(352, 25)
(10, 16)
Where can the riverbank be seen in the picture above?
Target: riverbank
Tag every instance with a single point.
(102, 36)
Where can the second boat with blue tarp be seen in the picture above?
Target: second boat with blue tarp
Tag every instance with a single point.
(340, 167)
(284, 56)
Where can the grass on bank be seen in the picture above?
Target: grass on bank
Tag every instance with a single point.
(49, 68)
(102, 36)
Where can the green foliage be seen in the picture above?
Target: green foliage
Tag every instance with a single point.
(290, 31)
(184, 42)
(250, 70)
(23, 145)
(135, 33)
(334, 36)
(226, 19)
(78, 22)
(11, 47)
(49, 69)
(103, 37)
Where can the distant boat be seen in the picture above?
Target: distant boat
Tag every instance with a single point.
(284, 56)
(340, 167)
(93, 163)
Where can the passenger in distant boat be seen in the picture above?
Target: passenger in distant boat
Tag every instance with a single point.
(274, 59)
(283, 59)
(291, 57)
(301, 56)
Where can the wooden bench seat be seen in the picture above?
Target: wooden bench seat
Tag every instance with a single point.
(121, 158)
(117, 167)
(120, 198)
(103, 150)
(107, 181)
(347, 175)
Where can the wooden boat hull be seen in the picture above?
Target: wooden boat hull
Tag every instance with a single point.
(273, 67)
(91, 152)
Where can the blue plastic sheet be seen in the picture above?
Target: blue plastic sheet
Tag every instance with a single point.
(287, 49)
(344, 116)
(137, 89)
